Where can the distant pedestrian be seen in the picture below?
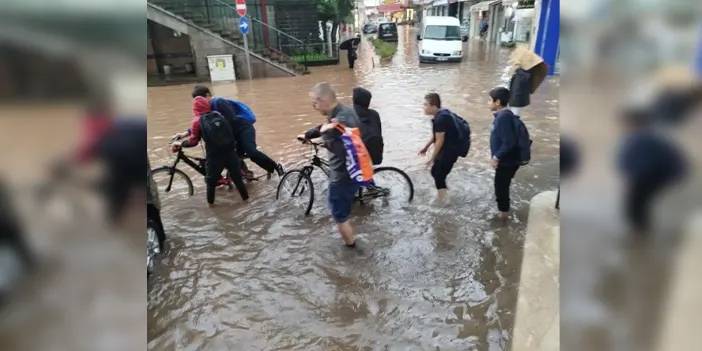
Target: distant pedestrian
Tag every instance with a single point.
(483, 29)
(528, 72)
(449, 136)
(351, 46)
(504, 148)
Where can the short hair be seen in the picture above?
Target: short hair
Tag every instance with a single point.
(201, 90)
(324, 89)
(433, 99)
(501, 94)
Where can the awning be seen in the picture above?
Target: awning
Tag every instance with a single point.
(390, 8)
(483, 6)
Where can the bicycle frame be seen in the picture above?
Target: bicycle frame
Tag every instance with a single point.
(317, 161)
(191, 161)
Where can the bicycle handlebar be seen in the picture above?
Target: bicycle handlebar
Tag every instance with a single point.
(309, 141)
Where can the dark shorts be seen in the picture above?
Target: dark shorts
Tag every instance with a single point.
(341, 196)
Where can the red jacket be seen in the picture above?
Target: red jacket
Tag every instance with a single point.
(95, 127)
(200, 106)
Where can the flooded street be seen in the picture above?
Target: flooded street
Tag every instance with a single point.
(261, 276)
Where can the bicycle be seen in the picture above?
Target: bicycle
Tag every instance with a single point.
(165, 176)
(390, 183)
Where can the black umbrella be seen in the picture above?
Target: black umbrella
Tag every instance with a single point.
(347, 44)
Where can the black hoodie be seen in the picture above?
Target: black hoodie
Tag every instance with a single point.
(371, 129)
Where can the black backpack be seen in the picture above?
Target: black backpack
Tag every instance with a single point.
(216, 131)
(523, 140)
(463, 130)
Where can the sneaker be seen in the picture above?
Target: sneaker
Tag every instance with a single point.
(279, 168)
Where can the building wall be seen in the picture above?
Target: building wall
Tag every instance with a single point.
(203, 44)
(297, 18)
(167, 49)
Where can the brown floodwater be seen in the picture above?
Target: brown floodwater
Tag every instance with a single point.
(261, 276)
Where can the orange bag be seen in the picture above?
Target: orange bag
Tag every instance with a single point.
(358, 161)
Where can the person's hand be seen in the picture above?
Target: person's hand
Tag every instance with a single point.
(176, 146)
(178, 136)
(328, 126)
(423, 151)
(494, 162)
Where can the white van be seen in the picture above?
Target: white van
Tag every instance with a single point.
(440, 39)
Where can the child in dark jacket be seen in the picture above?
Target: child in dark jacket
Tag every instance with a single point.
(503, 146)
(217, 158)
(371, 128)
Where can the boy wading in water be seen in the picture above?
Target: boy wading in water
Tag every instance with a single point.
(504, 148)
(444, 137)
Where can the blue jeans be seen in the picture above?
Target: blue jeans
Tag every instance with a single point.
(246, 144)
(341, 196)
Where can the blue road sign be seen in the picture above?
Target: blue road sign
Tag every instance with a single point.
(244, 25)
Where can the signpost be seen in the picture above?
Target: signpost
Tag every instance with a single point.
(244, 26)
(241, 7)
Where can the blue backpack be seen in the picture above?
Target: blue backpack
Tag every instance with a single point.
(241, 109)
(523, 141)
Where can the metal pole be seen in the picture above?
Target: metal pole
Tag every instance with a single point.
(248, 60)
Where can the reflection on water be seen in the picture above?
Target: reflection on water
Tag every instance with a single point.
(262, 276)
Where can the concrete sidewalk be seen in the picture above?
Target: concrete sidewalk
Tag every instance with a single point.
(537, 318)
(680, 329)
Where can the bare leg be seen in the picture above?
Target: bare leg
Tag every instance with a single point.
(346, 231)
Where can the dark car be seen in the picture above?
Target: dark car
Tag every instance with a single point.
(387, 31)
(370, 28)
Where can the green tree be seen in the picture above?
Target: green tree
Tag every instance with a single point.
(336, 11)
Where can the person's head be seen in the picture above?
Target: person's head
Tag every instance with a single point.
(499, 98)
(203, 91)
(362, 97)
(200, 106)
(432, 104)
(323, 98)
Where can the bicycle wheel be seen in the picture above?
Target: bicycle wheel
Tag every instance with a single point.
(173, 184)
(392, 186)
(153, 246)
(296, 188)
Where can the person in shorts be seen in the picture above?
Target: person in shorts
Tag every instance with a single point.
(342, 189)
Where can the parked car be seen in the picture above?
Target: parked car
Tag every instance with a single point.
(387, 31)
(370, 28)
(440, 40)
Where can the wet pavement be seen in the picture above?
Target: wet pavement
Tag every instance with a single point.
(261, 276)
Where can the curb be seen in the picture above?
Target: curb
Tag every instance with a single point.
(536, 327)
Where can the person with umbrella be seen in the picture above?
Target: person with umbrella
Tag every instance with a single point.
(351, 45)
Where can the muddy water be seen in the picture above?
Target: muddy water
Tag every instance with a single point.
(260, 276)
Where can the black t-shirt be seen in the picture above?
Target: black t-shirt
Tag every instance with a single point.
(443, 122)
